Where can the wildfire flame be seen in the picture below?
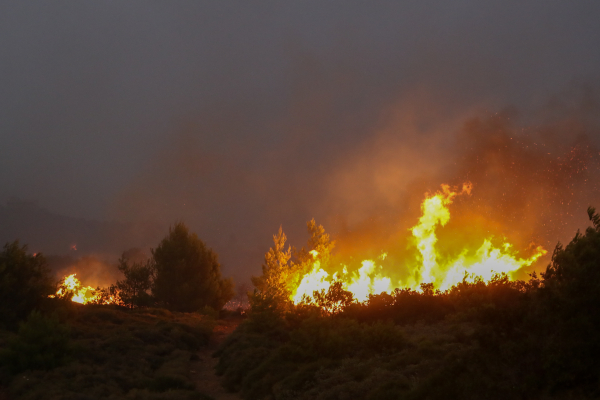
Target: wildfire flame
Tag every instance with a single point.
(430, 267)
(82, 294)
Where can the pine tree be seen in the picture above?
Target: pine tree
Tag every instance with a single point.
(276, 270)
(188, 273)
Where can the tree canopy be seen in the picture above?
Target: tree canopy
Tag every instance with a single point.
(569, 309)
(276, 270)
(24, 282)
(133, 290)
(283, 268)
(188, 273)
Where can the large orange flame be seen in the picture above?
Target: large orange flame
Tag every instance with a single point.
(82, 294)
(430, 267)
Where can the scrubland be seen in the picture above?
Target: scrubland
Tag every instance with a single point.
(496, 339)
(94, 352)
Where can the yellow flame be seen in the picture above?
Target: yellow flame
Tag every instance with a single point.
(315, 280)
(368, 282)
(484, 263)
(81, 294)
(362, 283)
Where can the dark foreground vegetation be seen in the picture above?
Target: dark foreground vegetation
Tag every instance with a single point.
(140, 348)
(538, 339)
(94, 352)
(502, 339)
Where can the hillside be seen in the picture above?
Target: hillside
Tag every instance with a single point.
(109, 352)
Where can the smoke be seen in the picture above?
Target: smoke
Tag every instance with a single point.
(364, 174)
(237, 119)
(534, 173)
(91, 270)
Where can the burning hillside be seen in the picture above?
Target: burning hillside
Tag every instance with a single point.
(472, 261)
(71, 287)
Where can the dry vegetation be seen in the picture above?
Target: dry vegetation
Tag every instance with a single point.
(92, 352)
(500, 339)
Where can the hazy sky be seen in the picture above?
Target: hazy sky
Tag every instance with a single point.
(236, 117)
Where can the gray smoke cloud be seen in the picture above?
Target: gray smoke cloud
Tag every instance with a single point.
(237, 118)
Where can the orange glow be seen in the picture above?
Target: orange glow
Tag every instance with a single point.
(81, 294)
(482, 261)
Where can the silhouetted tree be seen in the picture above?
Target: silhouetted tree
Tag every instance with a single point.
(133, 290)
(335, 299)
(24, 282)
(187, 273)
(570, 309)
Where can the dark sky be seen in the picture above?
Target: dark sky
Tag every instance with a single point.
(236, 117)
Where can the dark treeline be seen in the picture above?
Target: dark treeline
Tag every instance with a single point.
(140, 346)
(182, 274)
(499, 340)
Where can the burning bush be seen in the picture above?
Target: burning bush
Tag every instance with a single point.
(497, 338)
(70, 288)
(182, 275)
(306, 278)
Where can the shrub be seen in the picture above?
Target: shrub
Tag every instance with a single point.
(41, 343)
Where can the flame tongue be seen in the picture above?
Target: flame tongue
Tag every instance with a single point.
(81, 294)
(484, 262)
(444, 273)
(368, 282)
(362, 283)
(435, 212)
(315, 280)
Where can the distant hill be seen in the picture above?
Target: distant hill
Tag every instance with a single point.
(74, 245)
(52, 233)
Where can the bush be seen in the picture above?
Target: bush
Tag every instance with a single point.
(41, 343)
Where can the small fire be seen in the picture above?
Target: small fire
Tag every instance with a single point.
(82, 294)
(430, 266)
(361, 283)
